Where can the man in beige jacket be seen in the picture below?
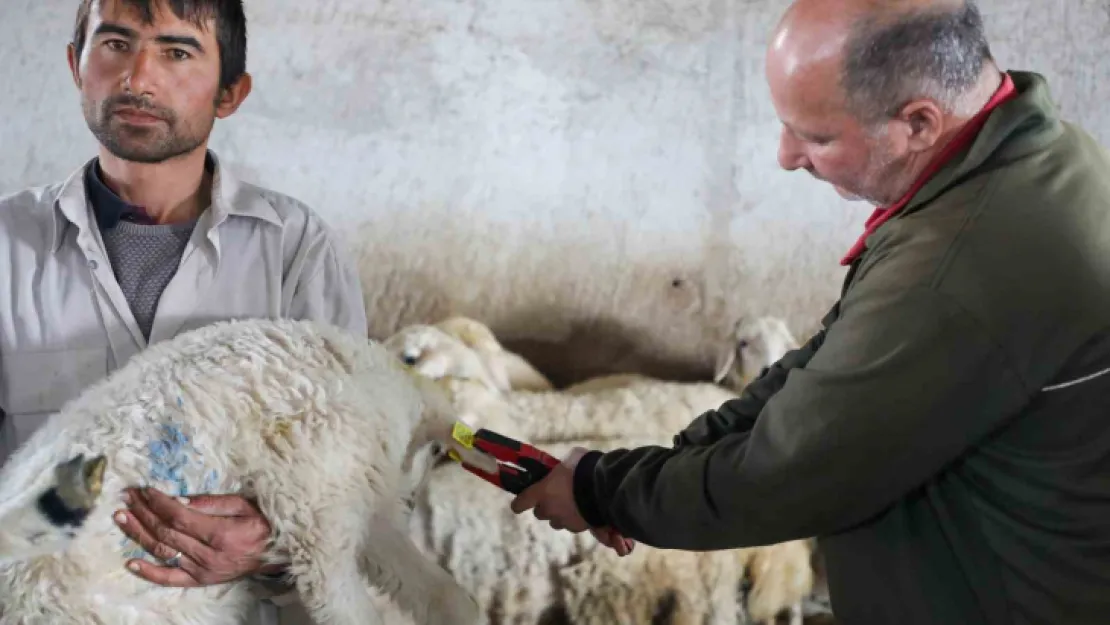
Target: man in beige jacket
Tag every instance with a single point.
(152, 238)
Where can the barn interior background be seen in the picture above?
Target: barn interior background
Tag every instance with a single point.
(596, 179)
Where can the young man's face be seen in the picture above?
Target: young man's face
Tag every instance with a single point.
(150, 92)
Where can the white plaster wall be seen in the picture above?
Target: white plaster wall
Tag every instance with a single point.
(605, 167)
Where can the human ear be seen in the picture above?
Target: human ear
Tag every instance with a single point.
(925, 123)
(74, 64)
(232, 97)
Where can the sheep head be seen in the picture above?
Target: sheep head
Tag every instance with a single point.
(472, 333)
(435, 354)
(754, 344)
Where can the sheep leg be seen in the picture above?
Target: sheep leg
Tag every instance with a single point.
(47, 522)
(417, 584)
(335, 594)
(326, 567)
(796, 615)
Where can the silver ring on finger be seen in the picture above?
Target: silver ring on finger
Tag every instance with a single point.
(174, 561)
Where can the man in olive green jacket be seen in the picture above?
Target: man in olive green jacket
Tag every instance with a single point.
(946, 435)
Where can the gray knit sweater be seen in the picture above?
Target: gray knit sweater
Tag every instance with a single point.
(144, 259)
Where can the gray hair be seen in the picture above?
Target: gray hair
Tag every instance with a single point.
(933, 53)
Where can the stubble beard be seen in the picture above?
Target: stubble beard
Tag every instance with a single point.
(146, 143)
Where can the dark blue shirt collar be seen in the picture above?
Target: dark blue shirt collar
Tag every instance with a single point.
(109, 207)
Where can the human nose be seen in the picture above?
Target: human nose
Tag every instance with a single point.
(142, 74)
(791, 154)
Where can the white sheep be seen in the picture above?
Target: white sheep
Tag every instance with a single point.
(327, 431)
(755, 343)
(484, 357)
(510, 370)
(475, 539)
(522, 572)
(435, 354)
(602, 408)
(637, 405)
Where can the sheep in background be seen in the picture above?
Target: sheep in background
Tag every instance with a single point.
(754, 345)
(603, 408)
(434, 354)
(510, 370)
(640, 408)
(522, 572)
(464, 348)
(325, 430)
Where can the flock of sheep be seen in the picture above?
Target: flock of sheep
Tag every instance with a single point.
(342, 442)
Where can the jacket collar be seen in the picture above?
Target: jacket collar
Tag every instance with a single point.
(230, 198)
(1019, 126)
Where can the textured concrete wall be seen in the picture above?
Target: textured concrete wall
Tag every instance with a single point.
(606, 168)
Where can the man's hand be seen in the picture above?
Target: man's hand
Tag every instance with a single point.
(553, 500)
(220, 537)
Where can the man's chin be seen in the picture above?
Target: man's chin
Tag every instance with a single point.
(149, 153)
(848, 195)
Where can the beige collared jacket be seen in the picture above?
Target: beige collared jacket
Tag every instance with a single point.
(64, 321)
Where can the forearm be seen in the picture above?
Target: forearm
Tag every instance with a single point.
(739, 415)
(844, 438)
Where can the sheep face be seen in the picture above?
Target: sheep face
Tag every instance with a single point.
(48, 521)
(472, 333)
(754, 345)
(434, 354)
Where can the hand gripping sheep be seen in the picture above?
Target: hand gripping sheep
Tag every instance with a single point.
(327, 431)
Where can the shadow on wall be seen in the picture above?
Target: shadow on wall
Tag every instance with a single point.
(599, 347)
(575, 301)
(635, 319)
(575, 308)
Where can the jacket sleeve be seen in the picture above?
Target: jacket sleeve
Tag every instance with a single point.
(902, 385)
(739, 415)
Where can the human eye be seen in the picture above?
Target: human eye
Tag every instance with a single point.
(178, 54)
(115, 45)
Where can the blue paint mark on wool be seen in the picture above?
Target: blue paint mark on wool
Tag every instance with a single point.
(170, 457)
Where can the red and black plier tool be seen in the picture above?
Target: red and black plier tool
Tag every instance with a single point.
(520, 465)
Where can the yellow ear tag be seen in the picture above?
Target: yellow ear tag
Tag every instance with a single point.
(463, 434)
(454, 455)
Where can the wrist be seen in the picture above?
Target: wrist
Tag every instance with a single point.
(585, 497)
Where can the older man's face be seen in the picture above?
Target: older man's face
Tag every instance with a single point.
(820, 136)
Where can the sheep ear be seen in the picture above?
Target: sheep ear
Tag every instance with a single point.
(726, 357)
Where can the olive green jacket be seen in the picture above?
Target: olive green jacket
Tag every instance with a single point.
(946, 435)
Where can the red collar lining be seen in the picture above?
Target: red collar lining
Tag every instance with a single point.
(963, 139)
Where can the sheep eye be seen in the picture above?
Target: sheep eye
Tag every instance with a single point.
(409, 359)
(742, 344)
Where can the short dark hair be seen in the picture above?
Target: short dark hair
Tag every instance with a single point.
(231, 28)
(890, 60)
